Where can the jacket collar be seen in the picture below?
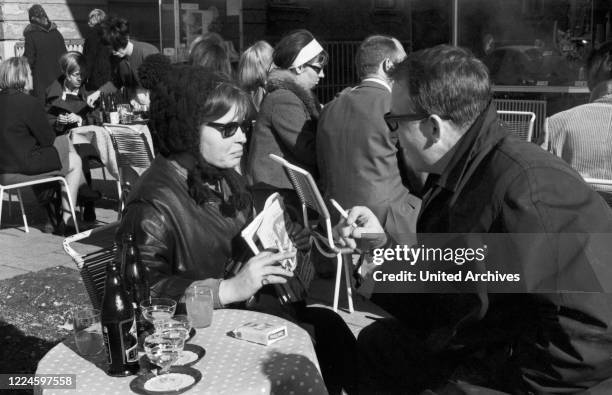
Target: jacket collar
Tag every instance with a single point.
(284, 79)
(377, 82)
(35, 27)
(472, 147)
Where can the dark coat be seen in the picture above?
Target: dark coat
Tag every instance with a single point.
(97, 57)
(55, 105)
(43, 48)
(125, 70)
(540, 342)
(358, 158)
(286, 126)
(179, 241)
(26, 139)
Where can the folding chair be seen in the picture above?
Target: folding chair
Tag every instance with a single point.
(92, 261)
(310, 197)
(18, 181)
(134, 155)
(519, 123)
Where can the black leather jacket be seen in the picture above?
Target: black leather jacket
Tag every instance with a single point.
(179, 241)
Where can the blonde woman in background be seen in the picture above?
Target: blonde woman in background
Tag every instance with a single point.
(253, 70)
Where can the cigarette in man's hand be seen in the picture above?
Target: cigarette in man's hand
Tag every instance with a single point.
(342, 212)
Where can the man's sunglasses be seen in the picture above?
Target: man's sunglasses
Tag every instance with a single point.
(229, 129)
(393, 121)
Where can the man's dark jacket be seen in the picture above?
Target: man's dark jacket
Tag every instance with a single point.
(523, 342)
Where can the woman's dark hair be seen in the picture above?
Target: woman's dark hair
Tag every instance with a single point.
(116, 32)
(211, 56)
(290, 46)
(153, 69)
(181, 103)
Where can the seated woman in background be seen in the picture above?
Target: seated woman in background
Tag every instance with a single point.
(187, 210)
(253, 70)
(66, 105)
(28, 145)
(211, 56)
(287, 120)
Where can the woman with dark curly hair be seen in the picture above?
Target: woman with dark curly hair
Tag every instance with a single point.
(187, 210)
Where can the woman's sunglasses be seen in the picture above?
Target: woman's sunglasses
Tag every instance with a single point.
(229, 129)
(317, 68)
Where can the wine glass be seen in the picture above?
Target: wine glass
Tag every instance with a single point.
(158, 310)
(180, 323)
(163, 349)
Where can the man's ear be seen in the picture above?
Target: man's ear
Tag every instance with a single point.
(436, 124)
(387, 65)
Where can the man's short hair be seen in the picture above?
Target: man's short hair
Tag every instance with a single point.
(596, 64)
(447, 81)
(116, 32)
(373, 50)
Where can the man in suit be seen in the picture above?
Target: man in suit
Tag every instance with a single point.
(358, 156)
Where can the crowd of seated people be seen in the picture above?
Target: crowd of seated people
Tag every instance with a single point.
(429, 113)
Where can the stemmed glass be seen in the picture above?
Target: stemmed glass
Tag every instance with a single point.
(158, 310)
(163, 349)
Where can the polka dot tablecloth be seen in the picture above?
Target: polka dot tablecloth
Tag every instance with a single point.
(230, 366)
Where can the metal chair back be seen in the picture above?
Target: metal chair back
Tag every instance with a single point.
(92, 263)
(601, 186)
(310, 197)
(134, 155)
(519, 123)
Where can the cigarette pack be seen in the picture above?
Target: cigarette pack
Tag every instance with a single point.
(260, 332)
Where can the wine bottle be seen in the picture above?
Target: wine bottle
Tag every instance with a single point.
(118, 325)
(113, 112)
(103, 109)
(134, 277)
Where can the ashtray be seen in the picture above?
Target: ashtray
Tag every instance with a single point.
(178, 380)
(191, 354)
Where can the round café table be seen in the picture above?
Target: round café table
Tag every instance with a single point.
(230, 366)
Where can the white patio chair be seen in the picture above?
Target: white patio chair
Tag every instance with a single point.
(519, 123)
(310, 197)
(17, 181)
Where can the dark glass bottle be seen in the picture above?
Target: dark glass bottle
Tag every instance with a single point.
(134, 277)
(103, 108)
(118, 325)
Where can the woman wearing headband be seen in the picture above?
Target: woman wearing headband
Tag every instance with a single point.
(287, 120)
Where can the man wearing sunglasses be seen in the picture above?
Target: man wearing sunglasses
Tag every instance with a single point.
(546, 333)
(358, 158)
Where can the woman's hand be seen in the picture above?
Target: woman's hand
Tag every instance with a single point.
(300, 236)
(73, 118)
(260, 270)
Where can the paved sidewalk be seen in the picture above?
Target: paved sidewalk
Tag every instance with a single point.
(22, 252)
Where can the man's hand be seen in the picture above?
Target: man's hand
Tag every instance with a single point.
(91, 99)
(260, 270)
(358, 227)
